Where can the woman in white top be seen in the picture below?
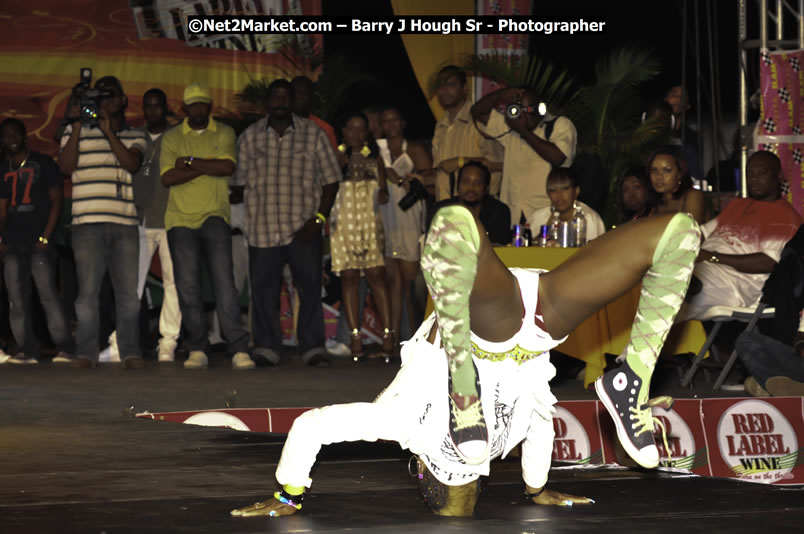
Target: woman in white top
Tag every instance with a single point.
(563, 190)
(404, 161)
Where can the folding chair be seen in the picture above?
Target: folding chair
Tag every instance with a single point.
(720, 315)
(783, 290)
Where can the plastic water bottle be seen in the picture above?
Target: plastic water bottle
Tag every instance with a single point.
(579, 226)
(553, 223)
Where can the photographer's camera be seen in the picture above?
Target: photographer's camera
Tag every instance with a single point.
(88, 99)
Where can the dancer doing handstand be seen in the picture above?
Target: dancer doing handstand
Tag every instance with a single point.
(487, 347)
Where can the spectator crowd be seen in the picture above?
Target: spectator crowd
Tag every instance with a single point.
(222, 211)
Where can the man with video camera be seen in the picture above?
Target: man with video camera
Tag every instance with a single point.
(101, 153)
(531, 151)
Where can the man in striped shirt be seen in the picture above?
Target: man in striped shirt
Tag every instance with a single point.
(102, 161)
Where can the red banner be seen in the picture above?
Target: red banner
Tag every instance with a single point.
(748, 439)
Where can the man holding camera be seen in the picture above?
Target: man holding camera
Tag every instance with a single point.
(529, 153)
(102, 153)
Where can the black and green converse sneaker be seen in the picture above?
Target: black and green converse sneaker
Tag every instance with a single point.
(622, 394)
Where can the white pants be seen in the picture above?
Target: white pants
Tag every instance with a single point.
(413, 411)
(152, 239)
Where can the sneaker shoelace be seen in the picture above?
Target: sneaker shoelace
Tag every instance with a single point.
(644, 419)
(467, 418)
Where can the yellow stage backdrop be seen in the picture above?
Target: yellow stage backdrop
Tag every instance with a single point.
(43, 45)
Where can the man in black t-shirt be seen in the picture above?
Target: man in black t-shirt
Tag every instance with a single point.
(30, 205)
(474, 179)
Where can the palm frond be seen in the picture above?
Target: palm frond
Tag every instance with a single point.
(554, 86)
(627, 67)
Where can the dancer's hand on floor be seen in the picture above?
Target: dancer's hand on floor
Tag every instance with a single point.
(556, 498)
(270, 508)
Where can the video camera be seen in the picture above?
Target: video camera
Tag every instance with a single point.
(88, 99)
(515, 110)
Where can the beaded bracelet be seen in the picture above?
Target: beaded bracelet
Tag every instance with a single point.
(291, 500)
(530, 496)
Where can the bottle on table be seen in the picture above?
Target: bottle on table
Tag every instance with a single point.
(544, 236)
(553, 223)
(527, 236)
(579, 226)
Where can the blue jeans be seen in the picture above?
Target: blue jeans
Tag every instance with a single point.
(98, 247)
(19, 267)
(764, 357)
(188, 248)
(265, 274)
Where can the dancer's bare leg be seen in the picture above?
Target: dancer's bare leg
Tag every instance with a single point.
(658, 251)
(457, 261)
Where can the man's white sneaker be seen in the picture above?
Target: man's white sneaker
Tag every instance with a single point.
(242, 362)
(62, 357)
(336, 348)
(110, 354)
(22, 359)
(197, 360)
(4, 357)
(166, 350)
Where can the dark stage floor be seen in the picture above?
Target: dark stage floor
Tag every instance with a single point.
(72, 459)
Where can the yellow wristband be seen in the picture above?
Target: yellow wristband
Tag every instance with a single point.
(460, 162)
(320, 217)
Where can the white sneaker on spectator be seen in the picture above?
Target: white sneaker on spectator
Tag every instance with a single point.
(166, 351)
(110, 353)
(197, 360)
(336, 348)
(242, 362)
(4, 357)
(22, 359)
(62, 357)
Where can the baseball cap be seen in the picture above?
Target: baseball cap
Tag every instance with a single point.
(196, 92)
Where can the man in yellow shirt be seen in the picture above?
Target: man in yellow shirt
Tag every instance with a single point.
(197, 158)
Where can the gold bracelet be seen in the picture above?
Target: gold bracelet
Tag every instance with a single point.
(43, 240)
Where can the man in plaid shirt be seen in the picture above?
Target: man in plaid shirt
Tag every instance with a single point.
(290, 174)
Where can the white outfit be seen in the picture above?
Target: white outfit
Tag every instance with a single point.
(151, 240)
(413, 409)
(594, 224)
(402, 227)
(745, 226)
(524, 181)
